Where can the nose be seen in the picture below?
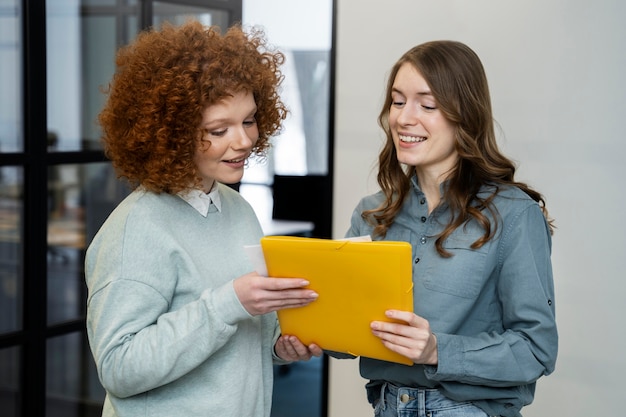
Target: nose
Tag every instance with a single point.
(408, 115)
(246, 138)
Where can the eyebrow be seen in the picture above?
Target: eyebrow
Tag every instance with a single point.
(221, 120)
(217, 121)
(419, 93)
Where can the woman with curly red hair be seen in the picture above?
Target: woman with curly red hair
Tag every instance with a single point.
(177, 323)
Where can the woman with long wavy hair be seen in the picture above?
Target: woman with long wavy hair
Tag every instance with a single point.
(483, 328)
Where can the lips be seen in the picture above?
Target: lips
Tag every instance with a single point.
(411, 139)
(237, 160)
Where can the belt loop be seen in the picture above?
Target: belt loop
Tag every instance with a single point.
(383, 399)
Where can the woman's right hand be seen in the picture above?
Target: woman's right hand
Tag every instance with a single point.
(261, 295)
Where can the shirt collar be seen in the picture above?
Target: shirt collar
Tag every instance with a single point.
(201, 201)
(443, 187)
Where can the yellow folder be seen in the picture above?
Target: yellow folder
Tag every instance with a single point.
(356, 282)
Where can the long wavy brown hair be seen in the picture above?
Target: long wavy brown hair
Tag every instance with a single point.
(165, 79)
(458, 83)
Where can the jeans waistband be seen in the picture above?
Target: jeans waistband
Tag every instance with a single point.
(428, 398)
(422, 401)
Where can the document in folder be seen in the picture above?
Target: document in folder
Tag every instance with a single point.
(356, 282)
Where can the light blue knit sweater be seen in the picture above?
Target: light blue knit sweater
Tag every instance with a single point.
(168, 334)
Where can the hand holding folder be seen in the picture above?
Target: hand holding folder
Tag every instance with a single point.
(356, 282)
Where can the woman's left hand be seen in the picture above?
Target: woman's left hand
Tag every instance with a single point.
(290, 348)
(412, 338)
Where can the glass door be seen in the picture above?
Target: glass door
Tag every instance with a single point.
(56, 187)
(177, 13)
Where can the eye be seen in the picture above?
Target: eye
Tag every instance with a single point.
(249, 122)
(218, 133)
(428, 102)
(397, 99)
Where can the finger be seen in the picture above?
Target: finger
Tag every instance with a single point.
(282, 305)
(402, 350)
(411, 344)
(291, 296)
(409, 317)
(391, 328)
(275, 305)
(302, 351)
(281, 350)
(394, 338)
(289, 349)
(303, 294)
(401, 335)
(299, 347)
(279, 284)
(315, 350)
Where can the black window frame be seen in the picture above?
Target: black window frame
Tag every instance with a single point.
(35, 159)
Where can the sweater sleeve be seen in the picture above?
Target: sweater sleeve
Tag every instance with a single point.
(142, 346)
(140, 339)
(527, 347)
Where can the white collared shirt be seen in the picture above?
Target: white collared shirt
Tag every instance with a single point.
(201, 201)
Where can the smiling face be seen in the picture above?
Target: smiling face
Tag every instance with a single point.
(230, 134)
(422, 136)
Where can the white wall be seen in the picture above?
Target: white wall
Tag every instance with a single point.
(556, 71)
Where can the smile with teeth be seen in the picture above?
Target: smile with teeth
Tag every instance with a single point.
(411, 139)
(235, 161)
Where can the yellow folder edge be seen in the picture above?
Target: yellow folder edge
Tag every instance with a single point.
(356, 282)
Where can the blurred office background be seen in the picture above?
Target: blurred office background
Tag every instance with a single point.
(56, 187)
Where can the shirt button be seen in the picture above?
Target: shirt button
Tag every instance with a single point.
(422, 240)
(423, 201)
(404, 398)
(423, 219)
(417, 260)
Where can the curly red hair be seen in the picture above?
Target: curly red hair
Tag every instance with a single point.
(164, 80)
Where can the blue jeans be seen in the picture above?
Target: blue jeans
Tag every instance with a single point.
(392, 401)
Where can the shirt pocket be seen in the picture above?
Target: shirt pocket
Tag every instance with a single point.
(398, 235)
(462, 274)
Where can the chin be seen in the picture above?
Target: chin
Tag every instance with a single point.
(230, 180)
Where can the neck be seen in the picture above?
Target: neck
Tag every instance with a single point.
(208, 187)
(430, 186)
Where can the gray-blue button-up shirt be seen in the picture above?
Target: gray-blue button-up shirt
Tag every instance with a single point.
(492, 309)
